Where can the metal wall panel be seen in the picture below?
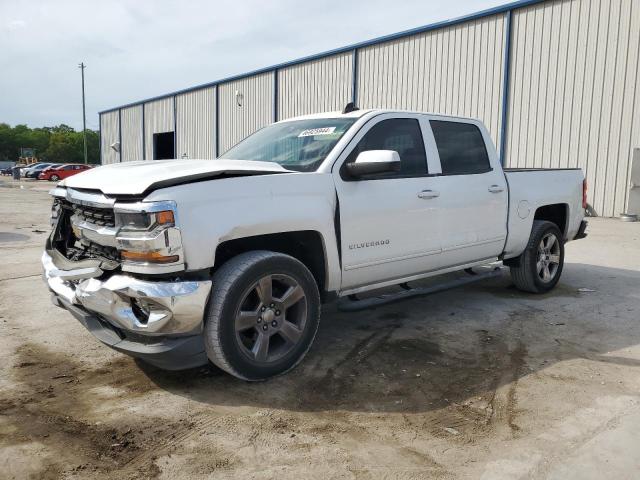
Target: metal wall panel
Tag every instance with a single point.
(131, 148)
(158, 118)
(318, 86)
(254, 112)
(195, 119)
(109, 134)
(574, 99)
(573, 94)
(454, 70)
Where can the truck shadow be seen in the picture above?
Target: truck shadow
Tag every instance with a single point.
(452, 350)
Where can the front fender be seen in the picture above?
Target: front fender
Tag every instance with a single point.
(220, 210)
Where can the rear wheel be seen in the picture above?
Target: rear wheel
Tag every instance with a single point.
(539, 267)
(262, 316)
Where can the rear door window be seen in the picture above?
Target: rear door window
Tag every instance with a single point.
(461, 148)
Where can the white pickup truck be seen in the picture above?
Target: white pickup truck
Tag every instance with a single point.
(181, 262)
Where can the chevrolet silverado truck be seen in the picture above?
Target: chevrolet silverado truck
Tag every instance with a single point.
(181, 262)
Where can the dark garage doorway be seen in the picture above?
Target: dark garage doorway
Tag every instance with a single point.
(163, 145)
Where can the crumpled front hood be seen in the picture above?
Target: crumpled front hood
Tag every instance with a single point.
(136, 178)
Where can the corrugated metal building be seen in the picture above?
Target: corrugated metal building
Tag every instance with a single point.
(556, 82)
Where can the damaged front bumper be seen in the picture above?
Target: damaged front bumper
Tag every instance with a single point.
(158, 321)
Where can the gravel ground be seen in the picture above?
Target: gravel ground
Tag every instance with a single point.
(479, 382)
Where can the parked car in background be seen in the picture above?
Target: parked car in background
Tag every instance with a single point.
(47, 172)
(63, 171)
(33, 165)
(10, 170)
(35, 170)
(6, 166)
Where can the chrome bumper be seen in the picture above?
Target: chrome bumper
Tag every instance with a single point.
(134, 305)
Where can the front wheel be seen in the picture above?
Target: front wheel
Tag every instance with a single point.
(539, 267)
(54, 178)
(262, 316)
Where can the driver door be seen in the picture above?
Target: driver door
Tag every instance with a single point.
(388, 222)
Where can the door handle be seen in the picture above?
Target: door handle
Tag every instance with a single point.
(496, 189)
(427, 194)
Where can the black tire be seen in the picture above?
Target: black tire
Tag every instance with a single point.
(525, 272)
(237, 284)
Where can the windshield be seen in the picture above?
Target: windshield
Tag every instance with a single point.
(300, 145)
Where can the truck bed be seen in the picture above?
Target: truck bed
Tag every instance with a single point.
(531, 188)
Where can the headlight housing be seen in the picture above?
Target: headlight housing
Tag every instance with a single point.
(56, 207)
(148, 238)
(144, 221)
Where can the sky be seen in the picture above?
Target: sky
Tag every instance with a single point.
(139, 49)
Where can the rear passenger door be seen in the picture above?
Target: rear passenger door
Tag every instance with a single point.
(472, 220)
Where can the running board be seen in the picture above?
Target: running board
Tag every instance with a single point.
(354, 304)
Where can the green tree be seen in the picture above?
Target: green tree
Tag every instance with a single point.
(63, 149)
(93, 146)
(60, 143)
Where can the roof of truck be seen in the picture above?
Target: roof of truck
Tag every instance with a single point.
(361, 113)
(334, 114)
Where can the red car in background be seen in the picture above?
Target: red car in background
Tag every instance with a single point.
(64, 171)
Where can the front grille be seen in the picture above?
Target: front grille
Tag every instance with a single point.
(96, 216)
(75, 248)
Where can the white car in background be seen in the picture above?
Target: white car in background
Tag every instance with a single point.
(35, 170)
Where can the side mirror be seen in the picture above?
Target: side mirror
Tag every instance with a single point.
(374, 161)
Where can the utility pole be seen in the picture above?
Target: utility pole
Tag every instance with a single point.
(82, 66)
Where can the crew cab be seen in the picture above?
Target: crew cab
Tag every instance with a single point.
(181, 262)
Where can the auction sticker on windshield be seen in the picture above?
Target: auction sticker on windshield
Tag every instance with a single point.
(317, 131)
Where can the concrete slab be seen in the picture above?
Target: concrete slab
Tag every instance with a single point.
(480, 382)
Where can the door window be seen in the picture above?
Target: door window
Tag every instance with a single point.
(402, 135)
(461, 148)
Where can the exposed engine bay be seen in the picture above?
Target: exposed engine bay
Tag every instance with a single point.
(67, 239)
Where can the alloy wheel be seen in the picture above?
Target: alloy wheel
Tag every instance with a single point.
(271, 318)
(548, 257)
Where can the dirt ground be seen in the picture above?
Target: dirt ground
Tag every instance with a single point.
(479, 382)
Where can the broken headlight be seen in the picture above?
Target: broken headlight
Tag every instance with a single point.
(56, 209)
(148, 236)
(144, 221)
